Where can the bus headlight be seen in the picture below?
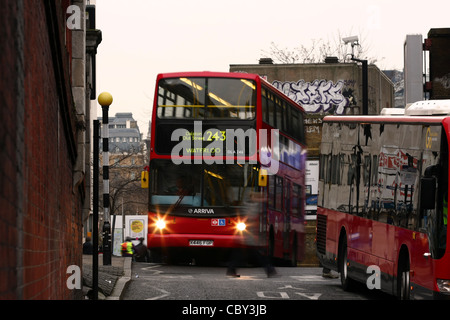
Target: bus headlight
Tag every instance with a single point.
(443, 285)
(160, 224)
(241, 226)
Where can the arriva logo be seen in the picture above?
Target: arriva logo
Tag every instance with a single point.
(201, 211)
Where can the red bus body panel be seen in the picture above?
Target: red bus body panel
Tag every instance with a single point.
(374, 243)
(370, 242)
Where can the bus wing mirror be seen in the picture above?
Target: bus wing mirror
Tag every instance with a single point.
(262, 179)
(427, 193)
(144, 179)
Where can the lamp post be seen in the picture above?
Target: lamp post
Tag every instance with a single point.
(105, 100)
(95, 212)
(365, 87)
(353, 40)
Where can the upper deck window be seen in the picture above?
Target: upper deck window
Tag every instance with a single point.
(206, 98)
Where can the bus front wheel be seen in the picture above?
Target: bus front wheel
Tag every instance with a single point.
(403, 281)
(346, 282)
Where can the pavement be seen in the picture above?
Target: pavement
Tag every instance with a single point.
(112, 279)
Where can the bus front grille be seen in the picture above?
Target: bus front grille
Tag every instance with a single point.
(321, 233)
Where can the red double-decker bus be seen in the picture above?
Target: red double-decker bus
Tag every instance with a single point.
(213, 148)
(383, 190)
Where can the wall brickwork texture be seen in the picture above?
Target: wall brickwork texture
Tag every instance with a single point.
(40, 211)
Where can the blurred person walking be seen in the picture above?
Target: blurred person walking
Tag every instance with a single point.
(255, 251)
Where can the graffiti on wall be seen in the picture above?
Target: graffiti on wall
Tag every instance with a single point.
(318, 96)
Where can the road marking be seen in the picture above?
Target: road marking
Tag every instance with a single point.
(185, 277)
(163, 295)
(293, 289)
(166, 276)
(149, 268)
(310, 296)
(245, 278)
(272, 294)
(310, 278)
(290, 287)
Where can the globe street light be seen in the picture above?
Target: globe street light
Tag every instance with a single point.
(105, 100)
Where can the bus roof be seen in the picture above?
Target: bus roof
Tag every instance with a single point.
(384, 119)
(392, 111)
(427, 111)
(429, 108)
(212, 74)
(207, 74)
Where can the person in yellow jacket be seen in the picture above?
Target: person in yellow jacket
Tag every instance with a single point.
(127, 248)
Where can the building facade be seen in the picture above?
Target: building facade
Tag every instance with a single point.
(124, 134)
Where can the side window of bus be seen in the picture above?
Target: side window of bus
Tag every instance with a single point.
(279, 193)
(322, 161)
(374, 174)
(297, 200)
(367, 165)
(265, 107)
(325, 168)
(335, 168)
(285, 108)
(271, 108)
(301, 128)
(275, 200)
(271, 193)
(295, 124)
(279, 113)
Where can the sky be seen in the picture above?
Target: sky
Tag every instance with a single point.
(141, 38)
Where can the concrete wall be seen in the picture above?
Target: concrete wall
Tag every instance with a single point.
(348, 76)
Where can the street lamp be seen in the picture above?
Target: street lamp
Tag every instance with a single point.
(365, 87)
(105, 100)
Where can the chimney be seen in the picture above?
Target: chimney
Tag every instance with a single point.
(331, 60)
(265, 61)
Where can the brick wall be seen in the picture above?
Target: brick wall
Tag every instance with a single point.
(8, 176)
(40, 216)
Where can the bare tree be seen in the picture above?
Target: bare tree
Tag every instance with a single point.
(318, 50)
(125, 188)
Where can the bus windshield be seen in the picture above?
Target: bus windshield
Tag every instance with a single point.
(206, 98)
(199, 185)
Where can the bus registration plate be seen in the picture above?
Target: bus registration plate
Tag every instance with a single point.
(206, 243)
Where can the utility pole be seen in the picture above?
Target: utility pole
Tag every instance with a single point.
(365, 86)
(95, 211)
(105, 100)
(353, 40)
